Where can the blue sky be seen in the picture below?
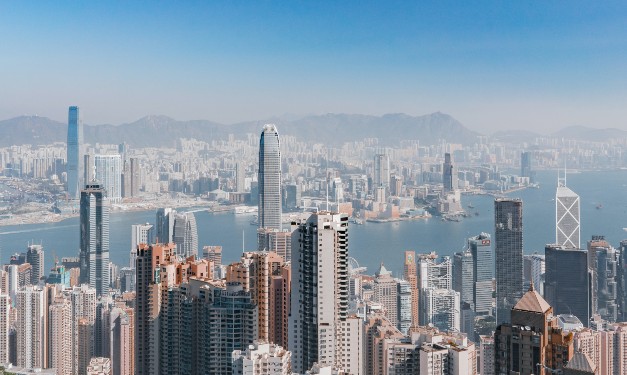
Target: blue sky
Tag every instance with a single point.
(491, 64)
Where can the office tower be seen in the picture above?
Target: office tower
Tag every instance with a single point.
(99, 366)
(130, 179)
(532, 343)
(385, 293)
(440, 307)
(149, 259)
(240, 177)
(396, 185)
(5, 326)
(434, 274)
(319, 289)
(486, 355)
(567, 281)
(94, 221)
(59, 275)
(32, 327)
(165, 225)
(127, 279)
(35, 257)
(604, 260)
(567, 223)
(122, 350)
(404, 306)
(74, 152)
(410, 273)
(537, 272)
(60, 323)
(508, 228)
(108, 172)
(269, 179)
(381, 172)
(463, 283)
(213, 254)
(262, 358)
(526, 165)
(89, 174)
(483, 273)
(140, 233)
(185, 235)
(291, 196)
(449, 174)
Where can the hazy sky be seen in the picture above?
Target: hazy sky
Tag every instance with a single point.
(538, 65)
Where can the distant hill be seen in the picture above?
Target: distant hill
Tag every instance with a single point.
(590, 134)
(160, 131)
(516, 136)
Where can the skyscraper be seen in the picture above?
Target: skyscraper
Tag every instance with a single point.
(449, 174)
(109, 174)
(94, 241)
(35, 256)
(269, 178)
(165, 225)
(5, 326)
(32, 330)
(508, 228)
(567, 281)
(319, 290)
(410, 273)
(386, 293)
(483, 272)
(525, 165)
(240, 177)
(74, 154)
(381, 172)
(567, 223)
(185, 235)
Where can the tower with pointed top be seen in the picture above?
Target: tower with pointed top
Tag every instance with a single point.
(567, 219)
(269, 178)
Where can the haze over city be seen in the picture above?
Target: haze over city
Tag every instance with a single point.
(491, 65)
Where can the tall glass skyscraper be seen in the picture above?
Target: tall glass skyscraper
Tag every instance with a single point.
(109, 173)
(74, 154)
(94, 242)
(483, 272)
(567, 220)
(185, 235)
(269, 178)
(508, 230)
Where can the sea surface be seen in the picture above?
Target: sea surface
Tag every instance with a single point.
(603, 212)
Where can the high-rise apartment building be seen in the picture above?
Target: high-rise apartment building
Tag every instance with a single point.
(140, 233)
(240, 177)
(185, 235)
(449, 174)
(526, 165)
(83, 299)
(74, 153)
(60, 322)
(165, 225)
(5, 326)
(122, 334)
(319, 290)
(604, 260)
(213, 254)
(94, 240)
(508, 228)
(404, 306)
(567, 220)
(131, 178)
(410, 273)
(276, 241)
(269, 179)
(35, 257)
(262, 358)
(486, 355)
(567, 281)
(32, 327)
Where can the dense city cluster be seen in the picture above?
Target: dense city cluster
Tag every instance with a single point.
(297, 301)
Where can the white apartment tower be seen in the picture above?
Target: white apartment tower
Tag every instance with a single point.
(60, 324)
(108, 170)
(319, 290)
(140, 233)
(567, 220)
(269, 179)
(5, 316)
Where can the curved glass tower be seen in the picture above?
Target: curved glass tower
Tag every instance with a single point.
(269, 178)
(74, 157)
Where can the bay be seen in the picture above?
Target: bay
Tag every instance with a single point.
(371, 243)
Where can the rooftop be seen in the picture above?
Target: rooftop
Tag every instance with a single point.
(532, 301)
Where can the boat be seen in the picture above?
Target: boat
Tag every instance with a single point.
(599, 206)
(470, 205)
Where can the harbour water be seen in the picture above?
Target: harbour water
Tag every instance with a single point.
(603, 212)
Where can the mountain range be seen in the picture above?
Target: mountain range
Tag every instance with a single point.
(331, 129)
